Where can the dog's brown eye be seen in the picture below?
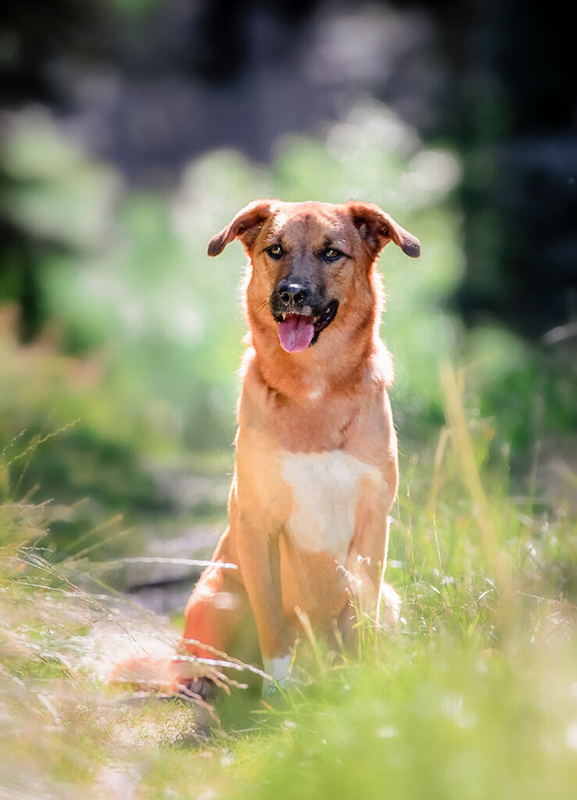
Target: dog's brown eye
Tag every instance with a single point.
(331, 255)
(275, 251)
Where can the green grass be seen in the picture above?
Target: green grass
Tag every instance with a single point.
(474, 696)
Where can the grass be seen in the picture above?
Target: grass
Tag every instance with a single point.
(474, 696)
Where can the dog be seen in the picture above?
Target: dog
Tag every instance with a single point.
(316, 450)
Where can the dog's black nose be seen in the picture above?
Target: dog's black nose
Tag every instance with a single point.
(293, 294)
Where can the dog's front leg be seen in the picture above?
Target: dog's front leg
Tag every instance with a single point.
(260, 565)
(367, 555)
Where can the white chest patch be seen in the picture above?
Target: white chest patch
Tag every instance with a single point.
(324, 492)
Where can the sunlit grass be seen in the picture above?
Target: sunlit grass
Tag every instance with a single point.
(474, 696)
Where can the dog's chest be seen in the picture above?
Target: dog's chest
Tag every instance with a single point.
(325, 488)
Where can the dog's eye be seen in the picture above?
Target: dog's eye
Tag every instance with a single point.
(275, 251)
(331, 255)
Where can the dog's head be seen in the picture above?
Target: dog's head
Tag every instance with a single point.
(311, 262)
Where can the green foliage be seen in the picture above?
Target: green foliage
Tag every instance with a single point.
(161, 324)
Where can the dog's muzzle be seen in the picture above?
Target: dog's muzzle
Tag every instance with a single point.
(300, 314)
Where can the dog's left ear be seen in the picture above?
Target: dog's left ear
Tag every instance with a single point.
(376, 229)
(245, 225)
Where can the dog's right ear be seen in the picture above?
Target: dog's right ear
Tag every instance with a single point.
(377, 228)
(245, 225)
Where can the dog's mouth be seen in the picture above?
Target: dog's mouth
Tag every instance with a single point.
(297, 331)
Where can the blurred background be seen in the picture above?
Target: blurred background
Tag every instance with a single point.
(132, 130)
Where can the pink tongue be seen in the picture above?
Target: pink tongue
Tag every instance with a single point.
(295, 333)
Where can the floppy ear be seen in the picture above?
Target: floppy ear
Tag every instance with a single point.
(246, 225)
(376, 229)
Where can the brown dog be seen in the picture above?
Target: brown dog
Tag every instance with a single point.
(316, 450)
